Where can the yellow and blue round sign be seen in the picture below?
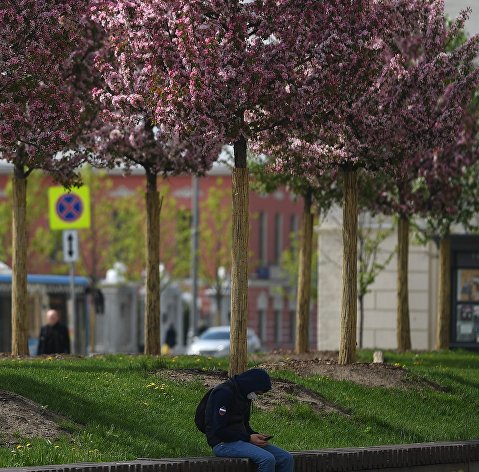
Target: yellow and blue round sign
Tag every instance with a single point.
(69, 209)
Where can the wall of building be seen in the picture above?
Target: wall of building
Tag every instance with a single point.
(380, 304)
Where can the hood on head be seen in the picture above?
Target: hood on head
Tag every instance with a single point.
(253, 380)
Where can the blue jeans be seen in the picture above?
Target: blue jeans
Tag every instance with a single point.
(268, 458)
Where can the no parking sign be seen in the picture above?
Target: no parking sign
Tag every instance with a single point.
(69, 209)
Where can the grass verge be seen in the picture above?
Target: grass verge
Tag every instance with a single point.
(117, 410)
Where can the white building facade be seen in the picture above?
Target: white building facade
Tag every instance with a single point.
(380, 303)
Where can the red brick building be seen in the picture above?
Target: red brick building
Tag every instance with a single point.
(274, 218)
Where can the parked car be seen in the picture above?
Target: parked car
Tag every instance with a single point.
(216, 342)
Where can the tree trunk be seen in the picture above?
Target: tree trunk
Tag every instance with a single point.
(403, 329)
(444, 295)
(239, 259)
(152, 305)
(347, 346)
(304, 277)
(19, 264)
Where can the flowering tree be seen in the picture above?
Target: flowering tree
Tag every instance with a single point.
(218, 69)
(428, 88)
(129, 134)
(446, 193)
(215, 248)
(339, 77)
(400, 96)
(40, 112)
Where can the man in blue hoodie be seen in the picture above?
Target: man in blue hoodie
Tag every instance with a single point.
(228, 430)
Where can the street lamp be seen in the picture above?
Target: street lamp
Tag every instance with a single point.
(220, 287)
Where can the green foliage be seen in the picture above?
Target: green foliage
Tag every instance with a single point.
(265, 180)
(459, 38)
(42, 243)
(117, 232)
(215, 234)
(96, 241)
(175, 236)
(126, 239)
(290, 266)
(326, 189)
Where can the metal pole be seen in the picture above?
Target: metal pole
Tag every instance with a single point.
(193, 329)
(72, 298)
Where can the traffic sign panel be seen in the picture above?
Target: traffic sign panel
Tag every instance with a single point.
(71, 251)
(69, 210)
(69, 207)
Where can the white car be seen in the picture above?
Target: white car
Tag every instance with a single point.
(216, 342)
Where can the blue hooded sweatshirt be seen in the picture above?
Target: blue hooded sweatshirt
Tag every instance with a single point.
(228, 409)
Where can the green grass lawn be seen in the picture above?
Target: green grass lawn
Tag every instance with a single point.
(118, 410)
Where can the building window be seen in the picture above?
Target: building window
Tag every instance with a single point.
(292, 326)
(277, 327)
(262, 325)
(263, 239)
(278, 240)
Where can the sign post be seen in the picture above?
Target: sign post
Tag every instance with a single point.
(69, 211)
(70, 245)
(70, 255)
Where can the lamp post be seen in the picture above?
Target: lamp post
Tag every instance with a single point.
(193, 328)
(220, 282)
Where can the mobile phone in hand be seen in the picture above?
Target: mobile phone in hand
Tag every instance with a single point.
(267, 438)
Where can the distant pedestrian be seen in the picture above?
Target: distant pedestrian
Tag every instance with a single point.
(54, 338)
(171, 336)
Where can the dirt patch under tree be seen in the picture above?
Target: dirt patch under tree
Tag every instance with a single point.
(22, 418)
(284, 392)
(325, 364)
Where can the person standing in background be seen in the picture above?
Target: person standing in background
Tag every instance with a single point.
(54, 337)
(170, 339)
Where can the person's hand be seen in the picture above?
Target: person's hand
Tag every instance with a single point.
(258, 440)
